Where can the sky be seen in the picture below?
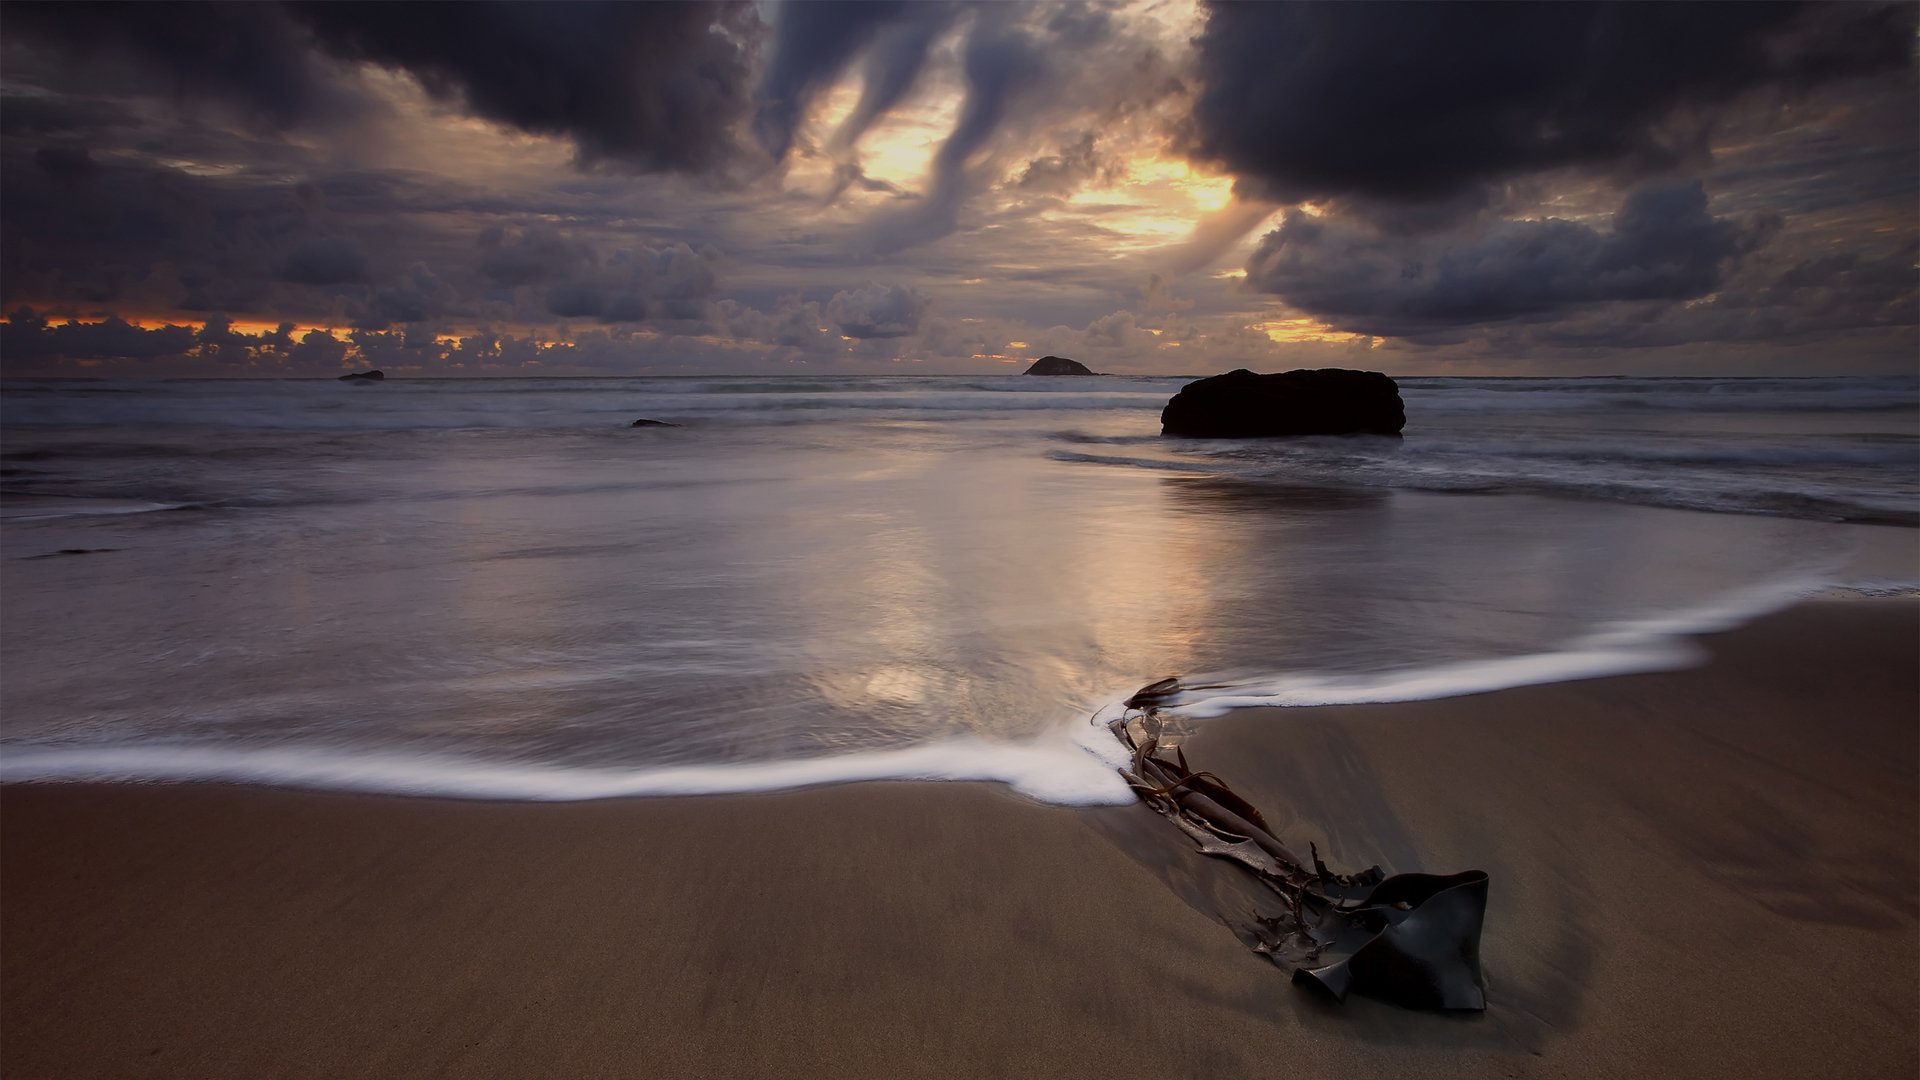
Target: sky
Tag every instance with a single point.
(1147, 186)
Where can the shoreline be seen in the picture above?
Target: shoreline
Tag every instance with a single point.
(1073, 767)
(1709, 871)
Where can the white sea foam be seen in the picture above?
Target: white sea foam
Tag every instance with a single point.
(1049, 770)
(503, 575)
(1654, 644)
(1075, 765)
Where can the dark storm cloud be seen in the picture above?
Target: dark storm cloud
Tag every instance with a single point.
(1000, 61)
(87, 235)
(1662, 244)
(204, 288)
(49, 114)
(224, 346)
(248, 56)
(654, 86)
(1813, 313)
(893, 63)
(418, 297)
(67, 163)
(533, 256)
(94, 232)
(322, 260)
(672, 283)
(1426, 103)
(27, 336)
(651, 87)
(1806, 296)
(813, 43)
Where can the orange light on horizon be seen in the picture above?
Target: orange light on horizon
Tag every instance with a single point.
(1303, 330)
(261, 328)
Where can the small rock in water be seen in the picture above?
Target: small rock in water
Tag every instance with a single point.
(644, 422)
(1057, 365)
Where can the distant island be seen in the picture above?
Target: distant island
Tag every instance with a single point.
(1058, 365)
(362, 377)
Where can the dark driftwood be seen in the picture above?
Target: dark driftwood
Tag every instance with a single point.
(1412, 939)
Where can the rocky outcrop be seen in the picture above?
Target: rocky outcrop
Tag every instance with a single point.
(644, 422)
(1058, 365)
(1323, 401)
(364, 377)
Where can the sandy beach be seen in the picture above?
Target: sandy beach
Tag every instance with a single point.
(1709, 872)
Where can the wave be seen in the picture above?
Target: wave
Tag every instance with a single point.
(1804, 450)
(29, 506)
(541, 410)
(1048, 770)
(1858, 482)
(1786, 395)
(1073, 765)
(406, 404)
(1622, 648)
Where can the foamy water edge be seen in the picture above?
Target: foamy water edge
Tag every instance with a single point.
(1073, 766)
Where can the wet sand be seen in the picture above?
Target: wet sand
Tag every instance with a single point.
(1710, 872)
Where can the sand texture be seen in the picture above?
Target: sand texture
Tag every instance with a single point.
(1710, 872)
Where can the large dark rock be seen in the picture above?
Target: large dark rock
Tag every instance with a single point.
(362, 377)
(644, 422)
(1324, 401)
(1057, 365)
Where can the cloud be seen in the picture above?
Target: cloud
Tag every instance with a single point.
(673, 283)
(109, 233)
(1869, 297)
(1062, 173)
(67, 163)
(646, 87)
(1055, 96)
(792, 323)
(250, 57)
(1430, 103)
(26, 336)
(322, 260)
(1662, 244)
(204, 289)
(891, 311)
(46, 114)
(421, 296)
(352, 188)
(1000, 61)
(893, 64)
(532, 256)
(651, 87)
(813, 43)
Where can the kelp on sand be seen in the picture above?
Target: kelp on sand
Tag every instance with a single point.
(1411, 939)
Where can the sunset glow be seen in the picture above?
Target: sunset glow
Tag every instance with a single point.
(870, 184)
(906, 486)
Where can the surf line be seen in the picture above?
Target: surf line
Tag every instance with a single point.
(1410, 939)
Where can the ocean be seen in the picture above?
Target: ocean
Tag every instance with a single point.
(498, 588)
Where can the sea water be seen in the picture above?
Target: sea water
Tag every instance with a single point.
(499, 588)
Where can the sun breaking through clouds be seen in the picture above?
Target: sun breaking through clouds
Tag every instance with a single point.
(298, 189)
